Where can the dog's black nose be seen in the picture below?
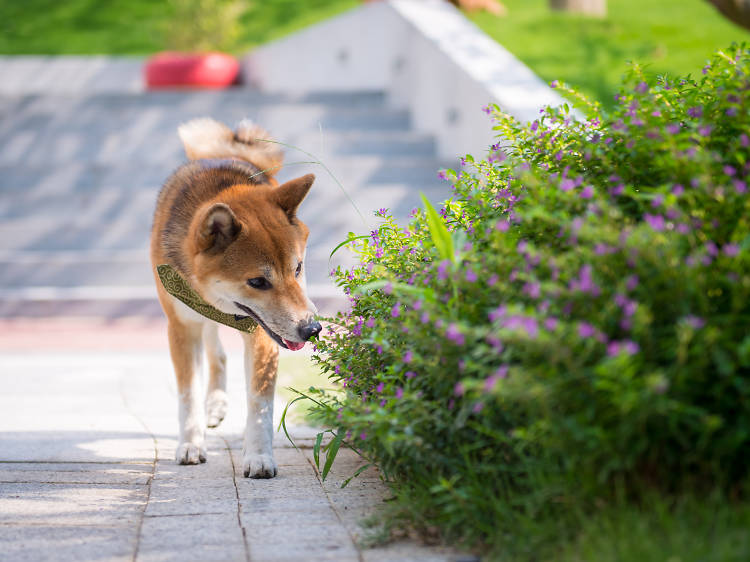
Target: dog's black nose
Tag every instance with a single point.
(309, 330)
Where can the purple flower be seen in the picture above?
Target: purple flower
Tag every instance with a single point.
(567, 184)
(615, 348)
(587, 192)
(532, 289)
(471, 276)
(478, 407)
(641, 88)
(655, 221)
(673, 128)
(379, 388)
(695, 111)
(408, 356)
(657, 200)
(629, 308)
(498, 313)
(399, 393)
(443, 269)
(442, 175)
(410, 374)
(388, 288)
(586, 330)
(631, 282)
(585, 282)
(744, 140)
(740, 186)
(495, 342)
(492, 280)
(396, 311)
(454, 334)
(459, 389)
(550, 323)
(705, 130)
(370, 323)
(425, 318)
(363, 436)
(554, 84)
(502, 226)
(695, 322)
(731, 250)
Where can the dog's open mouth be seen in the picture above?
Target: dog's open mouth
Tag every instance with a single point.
(293, 345)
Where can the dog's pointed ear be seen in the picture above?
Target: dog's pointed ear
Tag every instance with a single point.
(217, 229)
(290, 195)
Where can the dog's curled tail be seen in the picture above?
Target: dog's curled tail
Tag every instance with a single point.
(207, 138)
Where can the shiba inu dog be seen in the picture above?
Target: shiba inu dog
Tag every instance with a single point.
(231, 231)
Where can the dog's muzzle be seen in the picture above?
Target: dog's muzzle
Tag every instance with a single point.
(309, 330)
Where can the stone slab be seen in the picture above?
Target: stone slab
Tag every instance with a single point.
(75, 473)
(71, 504)
(199, 538)
(56, 543)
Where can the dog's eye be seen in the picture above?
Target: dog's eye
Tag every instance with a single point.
(260, 283)
(298, 270)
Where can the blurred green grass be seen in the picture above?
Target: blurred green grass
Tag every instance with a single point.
(673, 37)
(137, 27)
(298, 371)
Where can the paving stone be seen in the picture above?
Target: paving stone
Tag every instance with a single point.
(293, 551)
(205, 537)
(75, 473)
(71, 504)
(60, 543)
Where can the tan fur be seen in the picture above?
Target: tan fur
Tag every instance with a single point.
(206, 138)
(221, 223)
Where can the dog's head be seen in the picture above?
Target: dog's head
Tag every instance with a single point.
(248, 253)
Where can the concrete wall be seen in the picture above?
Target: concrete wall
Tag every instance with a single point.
(424, 53)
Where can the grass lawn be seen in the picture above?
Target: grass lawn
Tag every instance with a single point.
(675, 37)
(137, 27)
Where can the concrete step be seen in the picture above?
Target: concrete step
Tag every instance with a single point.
(108, 128)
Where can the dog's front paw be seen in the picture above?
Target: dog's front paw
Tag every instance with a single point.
(259, 466)
(189, 453)
(216, 407)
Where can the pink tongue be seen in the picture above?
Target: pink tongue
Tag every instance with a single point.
(293, 345)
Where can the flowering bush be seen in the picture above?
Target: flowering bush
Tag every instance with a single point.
(575, 320)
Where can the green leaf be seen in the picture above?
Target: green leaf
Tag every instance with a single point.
(282, 423)
(345, 242)
(316, 449)
(333, 449)
(359, 471)
(441, 238)
(424, 292)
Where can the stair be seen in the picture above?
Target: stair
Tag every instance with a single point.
(80, 171)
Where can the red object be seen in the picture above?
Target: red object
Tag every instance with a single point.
(205, 70)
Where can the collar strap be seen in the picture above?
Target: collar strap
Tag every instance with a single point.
(176, 286)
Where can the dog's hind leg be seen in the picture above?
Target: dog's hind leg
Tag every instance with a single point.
(186, 350)
(261, 364)
(216, 398)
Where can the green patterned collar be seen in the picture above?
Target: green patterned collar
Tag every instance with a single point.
(176, 286)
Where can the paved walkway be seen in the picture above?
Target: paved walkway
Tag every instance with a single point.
(87, 473)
